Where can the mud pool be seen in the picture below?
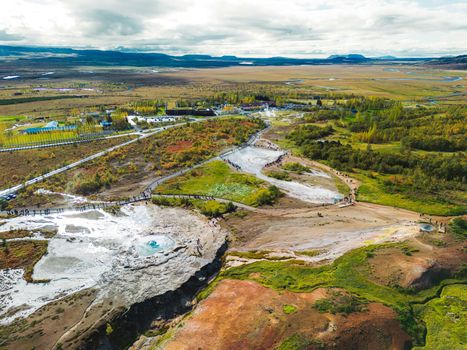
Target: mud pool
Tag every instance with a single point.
(129, 257)
(253, 159)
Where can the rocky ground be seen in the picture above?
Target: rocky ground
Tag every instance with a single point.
(124, 274)
(246, 315)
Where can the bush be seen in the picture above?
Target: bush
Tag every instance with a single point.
(280, 175)
(458, 226)
(266, 196)
(108, 329)
(289, 309)
(215, 209)
(296, 167)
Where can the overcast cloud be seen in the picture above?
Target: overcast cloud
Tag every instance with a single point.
(298, 28)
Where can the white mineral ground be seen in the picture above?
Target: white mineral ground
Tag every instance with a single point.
(117, 254)
(253, 159)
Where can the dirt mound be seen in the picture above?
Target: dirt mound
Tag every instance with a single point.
(246, 315)
(416, 264)
(375, 329)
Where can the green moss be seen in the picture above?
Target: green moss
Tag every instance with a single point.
(310, 253)
(289, 309)
(108, 329)
(446, 318)
(296, 342)
(251, 254)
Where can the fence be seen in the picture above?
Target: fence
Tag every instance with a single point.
(52, 143)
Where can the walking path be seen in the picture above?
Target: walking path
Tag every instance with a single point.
(143, 196)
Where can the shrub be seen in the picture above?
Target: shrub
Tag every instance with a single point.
(289, 309)
(340, 303)
(215, 209)
(267, 196)
(295, 167)
(108, 329)
(458, 226)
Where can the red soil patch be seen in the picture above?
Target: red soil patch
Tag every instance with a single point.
(246, 315)
(179, 146)
(422, 268)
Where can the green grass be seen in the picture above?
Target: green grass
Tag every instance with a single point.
(216, 179)
(13, 101)
(349, 272)
(458, 226)
(290, 146)
(372, 190)
(446, 319)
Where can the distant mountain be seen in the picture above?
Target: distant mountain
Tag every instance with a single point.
(457, 62)
(386, 58)
(352, 56)
(66, 57)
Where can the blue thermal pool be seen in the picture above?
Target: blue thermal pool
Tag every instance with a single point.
(426, 227)
(153, 244)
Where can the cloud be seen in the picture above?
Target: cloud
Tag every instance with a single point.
(105, 23)
(5, 36)
(242, 27)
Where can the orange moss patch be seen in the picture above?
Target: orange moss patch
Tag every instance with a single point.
(245, 315)
(22, 255)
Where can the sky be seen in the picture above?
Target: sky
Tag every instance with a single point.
(247, 28)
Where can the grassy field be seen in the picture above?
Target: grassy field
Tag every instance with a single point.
(372, 190)
(11, 118)
(124, 85)
(216, 179)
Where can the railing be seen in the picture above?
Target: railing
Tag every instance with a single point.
(55, 143)
(143, 196)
